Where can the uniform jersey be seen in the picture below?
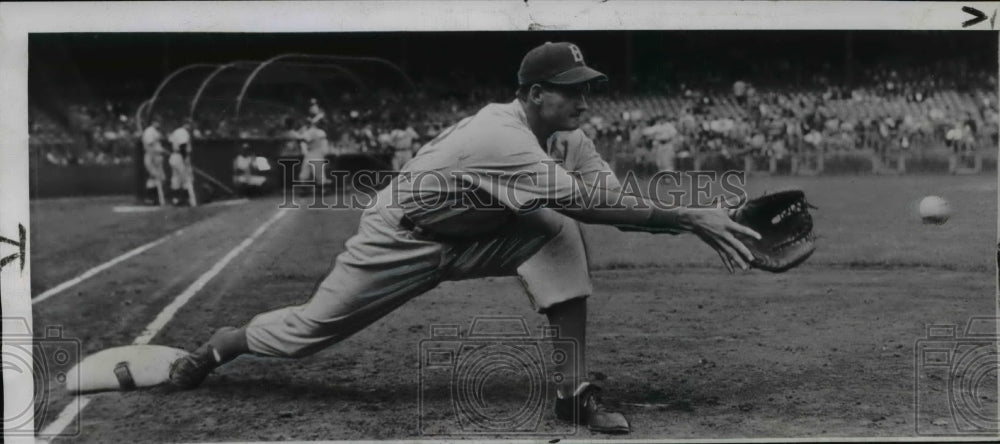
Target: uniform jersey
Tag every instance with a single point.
(476, 174)
(402, 140)
(180, 140)
(316, 143)
(151, 139)
(242, 164)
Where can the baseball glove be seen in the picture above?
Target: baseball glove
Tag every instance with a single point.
(785, 226)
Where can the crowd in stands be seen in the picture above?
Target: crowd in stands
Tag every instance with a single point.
(86, 134)
(892, 109)
(882, 118)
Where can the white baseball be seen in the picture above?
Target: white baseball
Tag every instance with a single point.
(934, 210)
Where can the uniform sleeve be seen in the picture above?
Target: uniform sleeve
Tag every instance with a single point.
(579, 155)
(515, 172)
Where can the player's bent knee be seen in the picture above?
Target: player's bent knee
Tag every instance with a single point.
(559, 272)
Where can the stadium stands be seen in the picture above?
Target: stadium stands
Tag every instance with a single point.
(914, 111)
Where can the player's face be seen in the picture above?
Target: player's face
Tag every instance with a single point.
(562, 105)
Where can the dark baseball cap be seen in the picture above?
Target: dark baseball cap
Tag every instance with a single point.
(560, 63)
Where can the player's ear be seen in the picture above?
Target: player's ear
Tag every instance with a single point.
(535, 94)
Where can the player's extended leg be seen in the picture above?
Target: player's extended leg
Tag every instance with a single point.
(557, 279)
(382, 267)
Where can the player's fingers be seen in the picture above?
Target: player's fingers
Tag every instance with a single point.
(733, 254)
(745, 230)
(744, 252)
(708, 239)
(725, 261)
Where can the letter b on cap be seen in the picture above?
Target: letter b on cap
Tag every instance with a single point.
(577, 55)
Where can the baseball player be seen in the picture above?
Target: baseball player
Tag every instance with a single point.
(497, 204)
(152, 159)
(181, 170)
(316, 114)
(247, 171)
(402, 145)
(665, 138)
(314, 151)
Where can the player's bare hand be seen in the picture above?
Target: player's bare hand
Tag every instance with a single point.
(714, 227)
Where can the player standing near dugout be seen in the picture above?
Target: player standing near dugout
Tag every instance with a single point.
(152, 160)
(402, 145)
(314, 150)
(247, 177)
(181, 169)
(520, 220)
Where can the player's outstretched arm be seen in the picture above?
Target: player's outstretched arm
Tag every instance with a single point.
(713, 226)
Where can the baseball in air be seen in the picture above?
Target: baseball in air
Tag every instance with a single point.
(934, 210)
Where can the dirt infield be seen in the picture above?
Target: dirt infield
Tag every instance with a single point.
(684, 349)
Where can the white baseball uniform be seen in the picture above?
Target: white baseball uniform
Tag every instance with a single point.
(664, 138)
(153, 155)
(181, 170)
(316, 149)
(402, 144)
(464, 207)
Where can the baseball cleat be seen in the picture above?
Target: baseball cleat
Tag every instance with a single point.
(584, 408)
(189, 371)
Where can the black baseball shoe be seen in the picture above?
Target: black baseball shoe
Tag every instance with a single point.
(189, 371)
(584, 408)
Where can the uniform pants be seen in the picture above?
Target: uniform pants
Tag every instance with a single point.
(154, 168)
(181, 172)
(665, 155)
(313, 165)
(384, 266)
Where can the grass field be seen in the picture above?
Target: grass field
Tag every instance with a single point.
(684, 349)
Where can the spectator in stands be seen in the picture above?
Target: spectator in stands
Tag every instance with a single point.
(740, 92)
(291, 137)
(225, 129)
(990, 123)
(54, 157)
